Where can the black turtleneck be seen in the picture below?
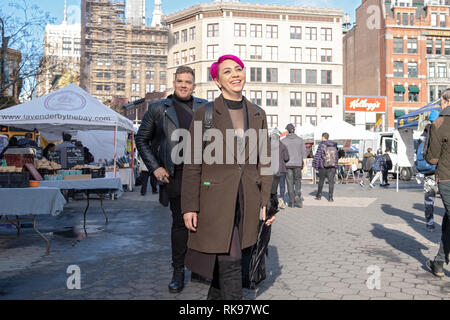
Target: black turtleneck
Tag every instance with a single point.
(184, 111)
(234, 105)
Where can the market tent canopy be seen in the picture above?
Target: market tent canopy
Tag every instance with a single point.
(341, 130)
(412, 119)
(69, 108)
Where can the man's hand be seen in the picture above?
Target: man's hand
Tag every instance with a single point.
(264, 216)
(162, 175)
(190, 221)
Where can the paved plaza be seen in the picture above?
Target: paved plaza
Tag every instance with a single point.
(323, 251)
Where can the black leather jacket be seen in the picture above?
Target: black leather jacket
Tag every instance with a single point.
(153, 138)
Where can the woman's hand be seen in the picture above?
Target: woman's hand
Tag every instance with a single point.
(270, 221)
(190, 221)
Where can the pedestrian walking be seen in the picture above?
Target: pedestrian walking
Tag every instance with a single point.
(144, 175)
(387, 167)
(154, 143)
(280, 156)
(378, 166)
(222, 203)
(297, 155)
(326, 162)
(427, 173)
(438, 153)
(367, 166)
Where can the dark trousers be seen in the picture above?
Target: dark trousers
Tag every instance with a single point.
(444, 249)
(179, 233)
(144, 180)
(282, 185)
(294, 183)
(385, 176)
(328, 173)
(275, 183)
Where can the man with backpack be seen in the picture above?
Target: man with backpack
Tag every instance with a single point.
(378, 166)
(367, 166)
(387, 167)
(326, 162)
(426, 171)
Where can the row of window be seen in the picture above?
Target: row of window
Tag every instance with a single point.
(436, 92)
(437, 70)
(440, 47)
(399, 45)
(399, 69)
(135, 87)
(272, 120)
(134, 63)
(184, 35)
(400, 93)
(135, 74)
(295, 75)
(296, 98)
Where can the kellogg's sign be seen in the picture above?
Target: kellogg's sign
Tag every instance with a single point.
(365, 104)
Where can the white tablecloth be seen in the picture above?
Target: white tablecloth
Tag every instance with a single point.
(31, 201)
(126, 175)
(91, 184)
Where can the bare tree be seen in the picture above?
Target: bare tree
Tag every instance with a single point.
(22, 27)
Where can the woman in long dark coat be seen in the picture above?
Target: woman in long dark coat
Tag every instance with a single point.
(222, 200)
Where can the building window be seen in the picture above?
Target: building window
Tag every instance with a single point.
(399, 19)
(241, 50)
(240, 29)
(272, 53)
(256, 52)
(162, 76)
(442, 20)
(176, 58)
(272, 98)
(208, 74)
(255, 74)
(256, 97)
(213, 30)
(413, 96)
(411, 19)
(326, 77)
(296, 99)
(120, 74)
(311, 33)
(327, 34)
(311, 76)
(192, 33)
(296, 32)
(99, 87)
(442, 70)
(134, 98)
(99, 75)
(398, 45)
(272, 121)
(326, 100)
(447, 47)
(296, 76)
(135, 74)
(184, 57)
(256, 30)
(184, 34)
(192, 54)
(312, 120)
(150, 87)
(296, 121)
(399, 93)
(325, 55)
(429, 46)
(412, 46)
(135, 87)
(212, 95)
(272, 31)
(212, 52)
(399, 71)
(432, 94)
(441, 91)
(176, 37)
(412, 70)
(296, 54)
(311, 54)
(405, 19)
(150, 75)
(272, 75)
(311, 99)
(434, 19)
(438, 45)
(120, 86)
(431, 70)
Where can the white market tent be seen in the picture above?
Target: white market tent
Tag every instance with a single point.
(67, 109)
(341, 130)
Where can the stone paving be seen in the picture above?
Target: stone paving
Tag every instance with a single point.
(320, 252)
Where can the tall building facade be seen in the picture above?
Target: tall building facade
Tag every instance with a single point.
(118, 59)
(135, 12)
(62, 51)
(397, 49)
(293, 56)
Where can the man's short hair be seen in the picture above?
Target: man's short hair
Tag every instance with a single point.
(67, 137)
(326, 136)
(184, 69)
(446, 94)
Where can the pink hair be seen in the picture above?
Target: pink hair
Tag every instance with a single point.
(215, 66)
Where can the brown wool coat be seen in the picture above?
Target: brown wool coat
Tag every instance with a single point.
(215, 201)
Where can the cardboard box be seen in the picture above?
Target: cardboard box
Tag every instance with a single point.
(78, 177)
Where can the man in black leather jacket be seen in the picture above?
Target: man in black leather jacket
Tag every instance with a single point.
(154, 144)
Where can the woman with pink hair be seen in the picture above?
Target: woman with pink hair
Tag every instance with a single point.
(222, 202)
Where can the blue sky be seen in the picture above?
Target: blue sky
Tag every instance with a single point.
(56, 7)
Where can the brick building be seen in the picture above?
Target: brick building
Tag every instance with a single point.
(136, 110)
(390, 49)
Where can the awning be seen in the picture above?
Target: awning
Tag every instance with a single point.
(411, 119)
(399, 89)
(413, 89)
(399, 113)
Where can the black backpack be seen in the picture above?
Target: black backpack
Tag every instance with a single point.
(330, 157)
